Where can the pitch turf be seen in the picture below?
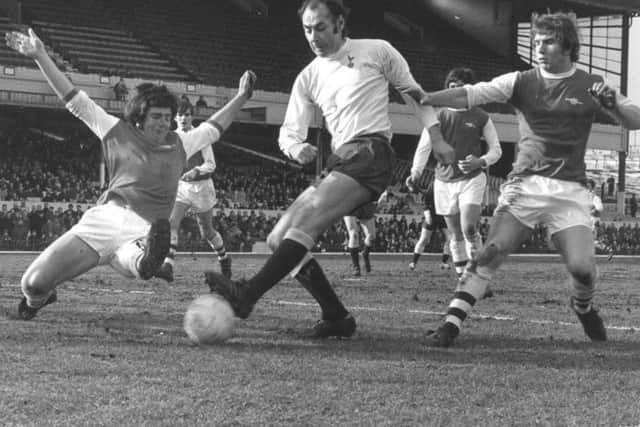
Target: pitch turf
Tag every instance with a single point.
(112, 352)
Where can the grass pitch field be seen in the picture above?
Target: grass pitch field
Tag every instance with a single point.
(113, 352)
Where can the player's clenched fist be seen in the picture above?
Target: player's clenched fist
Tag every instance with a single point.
(303, 152)
(604, 95)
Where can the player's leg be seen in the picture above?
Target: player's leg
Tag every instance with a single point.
(505, 235)
(211, 235)
(425, 237)
(446, 249)
(308, 272)
(456, 243)
(67, 257)
(309, 215)
(576, 246)
(353, 242)
(470, 202)
(177, 214)
(369, 230)
(445, 195)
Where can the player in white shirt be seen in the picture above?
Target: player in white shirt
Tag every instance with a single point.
(196, 193)
(348, 80)
(128, 229)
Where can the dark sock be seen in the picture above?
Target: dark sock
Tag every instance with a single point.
(365, 253)
(416, 257)
(316, 283)
(445, 258)
(355, 256)
(279, 264)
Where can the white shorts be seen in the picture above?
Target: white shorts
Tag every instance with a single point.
(553, 202)
(199, 196)
(449, 196)
(106, 228)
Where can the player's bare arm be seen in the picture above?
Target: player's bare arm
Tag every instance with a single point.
(32, 47)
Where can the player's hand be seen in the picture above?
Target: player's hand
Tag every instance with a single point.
(302, 152)
(247, 83)
(411, 184)
(470, 164)
(604, 95)
(191, 175)
(27, 44)
(425, 99)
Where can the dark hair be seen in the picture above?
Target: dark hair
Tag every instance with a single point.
(336, 7)
(149, 95)
(563, 27)
(185, 107)
(591, 184)
(463, 74)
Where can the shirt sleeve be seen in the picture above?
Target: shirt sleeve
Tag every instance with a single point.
(597, 203)
(209, 164)
(493, 142)
(500, 89)
(300, 109)
(420, 158)
(93, 115)
(198, 138)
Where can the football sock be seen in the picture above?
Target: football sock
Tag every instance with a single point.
(316, 283)
(365, 252)
(445, 258)
(416, 256)
(173, 248)
(459, 255)
(471, 288)
(286, 256)
(355, 257)
(473, 246)
(217, 244)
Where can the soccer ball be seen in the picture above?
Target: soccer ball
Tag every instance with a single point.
(209, 319)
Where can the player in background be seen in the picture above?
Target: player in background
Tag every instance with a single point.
(459, 188)
(432, 224)
(349, 81)
(128, 229)
(597, 207)
(556, 104)
(196, 193)
(362, 218)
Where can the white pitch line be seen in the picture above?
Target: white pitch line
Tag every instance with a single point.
(373, 309)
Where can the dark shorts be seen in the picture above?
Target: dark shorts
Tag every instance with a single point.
(369, 159)
(366, 211)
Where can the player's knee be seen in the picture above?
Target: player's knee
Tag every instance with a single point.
(469, 232)
(582, 272)
(489, 253)
(273, 240)
(34, 283)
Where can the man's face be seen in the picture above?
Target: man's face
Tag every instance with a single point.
(324, 36)
(550, 55)
(157, 123)
(184, 120)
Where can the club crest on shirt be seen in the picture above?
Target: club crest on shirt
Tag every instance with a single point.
(470, 124)
(350, 59)
(573, 101)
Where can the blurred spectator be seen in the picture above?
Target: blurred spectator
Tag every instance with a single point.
(633, 206)
(201, 102)
(121, 90)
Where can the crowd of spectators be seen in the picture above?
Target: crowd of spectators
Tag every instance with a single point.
(40, 167)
